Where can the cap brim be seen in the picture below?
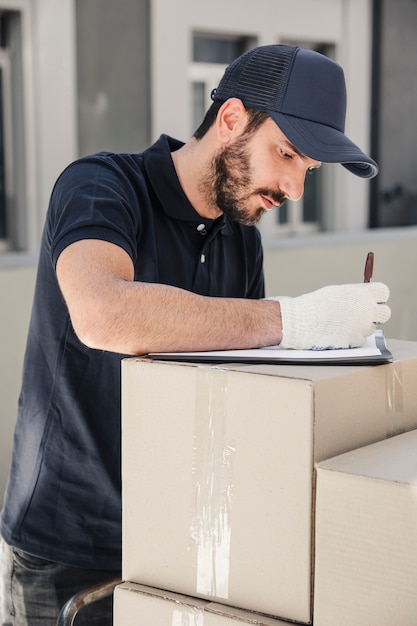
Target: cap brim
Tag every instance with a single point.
(326, 144)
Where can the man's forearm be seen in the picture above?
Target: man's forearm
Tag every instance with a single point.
(110, 311)
(140, 318)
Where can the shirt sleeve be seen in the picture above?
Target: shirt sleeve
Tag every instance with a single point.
(94, 198)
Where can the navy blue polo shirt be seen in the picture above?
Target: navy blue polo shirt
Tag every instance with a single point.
(63, 499)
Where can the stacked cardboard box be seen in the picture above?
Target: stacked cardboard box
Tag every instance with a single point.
(218, 471)
(136, 604)
(366, 536)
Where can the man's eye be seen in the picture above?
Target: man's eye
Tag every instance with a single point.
(286, 155)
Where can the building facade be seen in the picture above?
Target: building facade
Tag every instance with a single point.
(78, 76)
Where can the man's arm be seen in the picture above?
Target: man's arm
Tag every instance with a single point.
(110, 311)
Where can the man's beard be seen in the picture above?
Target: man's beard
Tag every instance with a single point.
(227, 184)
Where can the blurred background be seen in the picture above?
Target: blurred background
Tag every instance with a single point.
(79, 76)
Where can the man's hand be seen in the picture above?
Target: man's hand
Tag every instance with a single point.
(338, 316)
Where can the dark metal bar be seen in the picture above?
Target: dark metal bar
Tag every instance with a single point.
(70, 609)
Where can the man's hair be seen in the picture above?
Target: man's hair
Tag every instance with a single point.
(256, 119)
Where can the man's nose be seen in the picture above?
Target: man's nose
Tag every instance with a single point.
(293, 185)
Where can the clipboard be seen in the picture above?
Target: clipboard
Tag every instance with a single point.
(373, 352)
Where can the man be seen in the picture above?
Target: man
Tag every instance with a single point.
(158, 252)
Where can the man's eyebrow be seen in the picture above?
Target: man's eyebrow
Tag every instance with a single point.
(290, 146)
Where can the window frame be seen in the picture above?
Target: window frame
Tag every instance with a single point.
(344, 24)
(8, 123)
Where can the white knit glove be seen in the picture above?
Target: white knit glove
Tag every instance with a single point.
(338, 316)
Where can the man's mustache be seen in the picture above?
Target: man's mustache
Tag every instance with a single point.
(277, 197)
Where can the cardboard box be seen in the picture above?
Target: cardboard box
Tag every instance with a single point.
(138, 605)
(366, 536)
(218, 469)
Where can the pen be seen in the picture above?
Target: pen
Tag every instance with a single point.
(369, 266)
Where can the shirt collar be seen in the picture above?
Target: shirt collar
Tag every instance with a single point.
(161, 172)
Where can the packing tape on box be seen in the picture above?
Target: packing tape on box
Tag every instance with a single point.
(213, 462)
(188, 616)
(394, 394)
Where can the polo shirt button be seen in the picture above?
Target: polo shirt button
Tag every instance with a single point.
(202, 229)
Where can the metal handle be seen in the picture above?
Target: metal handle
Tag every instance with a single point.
(70, 609)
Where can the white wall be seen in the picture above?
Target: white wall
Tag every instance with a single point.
(291, 268)
(296, 267)
(16, 288)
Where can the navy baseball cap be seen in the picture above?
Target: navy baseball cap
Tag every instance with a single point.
(305, 94)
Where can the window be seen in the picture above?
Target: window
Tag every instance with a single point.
(303, 216)
(211, 55)
(113, 75)
(306, 215)
(13, 236)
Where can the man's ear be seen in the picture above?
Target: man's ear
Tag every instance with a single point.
(231, 119)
